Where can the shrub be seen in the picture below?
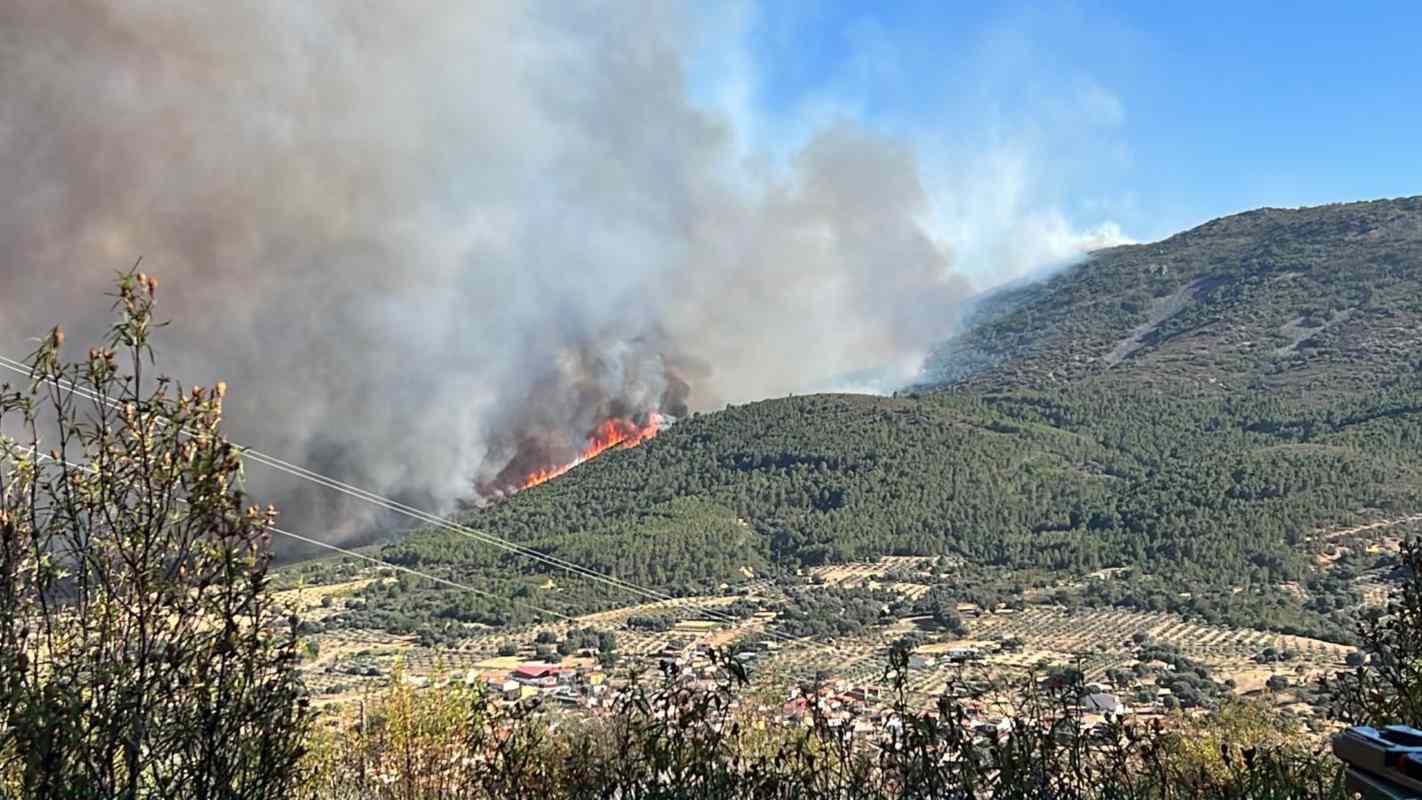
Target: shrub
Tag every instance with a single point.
(141, 654)
(1386, 688)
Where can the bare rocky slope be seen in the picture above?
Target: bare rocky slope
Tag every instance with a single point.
(1313, 302)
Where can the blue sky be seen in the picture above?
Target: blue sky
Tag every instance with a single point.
(1152, 116)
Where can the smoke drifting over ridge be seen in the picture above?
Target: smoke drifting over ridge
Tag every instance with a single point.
(423, 243)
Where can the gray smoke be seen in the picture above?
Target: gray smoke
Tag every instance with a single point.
(411, 236)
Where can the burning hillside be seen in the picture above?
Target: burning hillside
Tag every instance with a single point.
(598, 396)
(610, 434)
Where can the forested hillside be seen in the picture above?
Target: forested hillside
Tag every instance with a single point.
(1195, 409)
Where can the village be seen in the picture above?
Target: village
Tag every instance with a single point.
(580, 684)
(796, 686)
(1119, 664)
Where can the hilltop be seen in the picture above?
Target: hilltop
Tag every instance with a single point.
(1188, 414)
(1316, 303)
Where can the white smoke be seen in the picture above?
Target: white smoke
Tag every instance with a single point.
(386, 226)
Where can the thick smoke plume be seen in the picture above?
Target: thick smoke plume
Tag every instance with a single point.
(424, 240)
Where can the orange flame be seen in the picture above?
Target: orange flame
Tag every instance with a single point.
(611, 433)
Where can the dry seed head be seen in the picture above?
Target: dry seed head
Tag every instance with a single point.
(58, 336)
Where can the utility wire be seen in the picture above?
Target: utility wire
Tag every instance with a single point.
(444, 581)
(343, 550)
(431, 519)
(362, 494)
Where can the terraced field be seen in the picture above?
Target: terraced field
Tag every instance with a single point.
(1103, 630)
(1101, 639)
(1094, 640)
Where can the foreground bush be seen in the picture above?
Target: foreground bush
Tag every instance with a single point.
(668, 741)
(141, 655)
(1386, 688)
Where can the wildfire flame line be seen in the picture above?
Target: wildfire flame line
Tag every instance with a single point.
(611, 433)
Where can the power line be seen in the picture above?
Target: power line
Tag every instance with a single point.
(471, 533)
(386, 503)
(444, 581)
(354, 491)
(344, 550)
